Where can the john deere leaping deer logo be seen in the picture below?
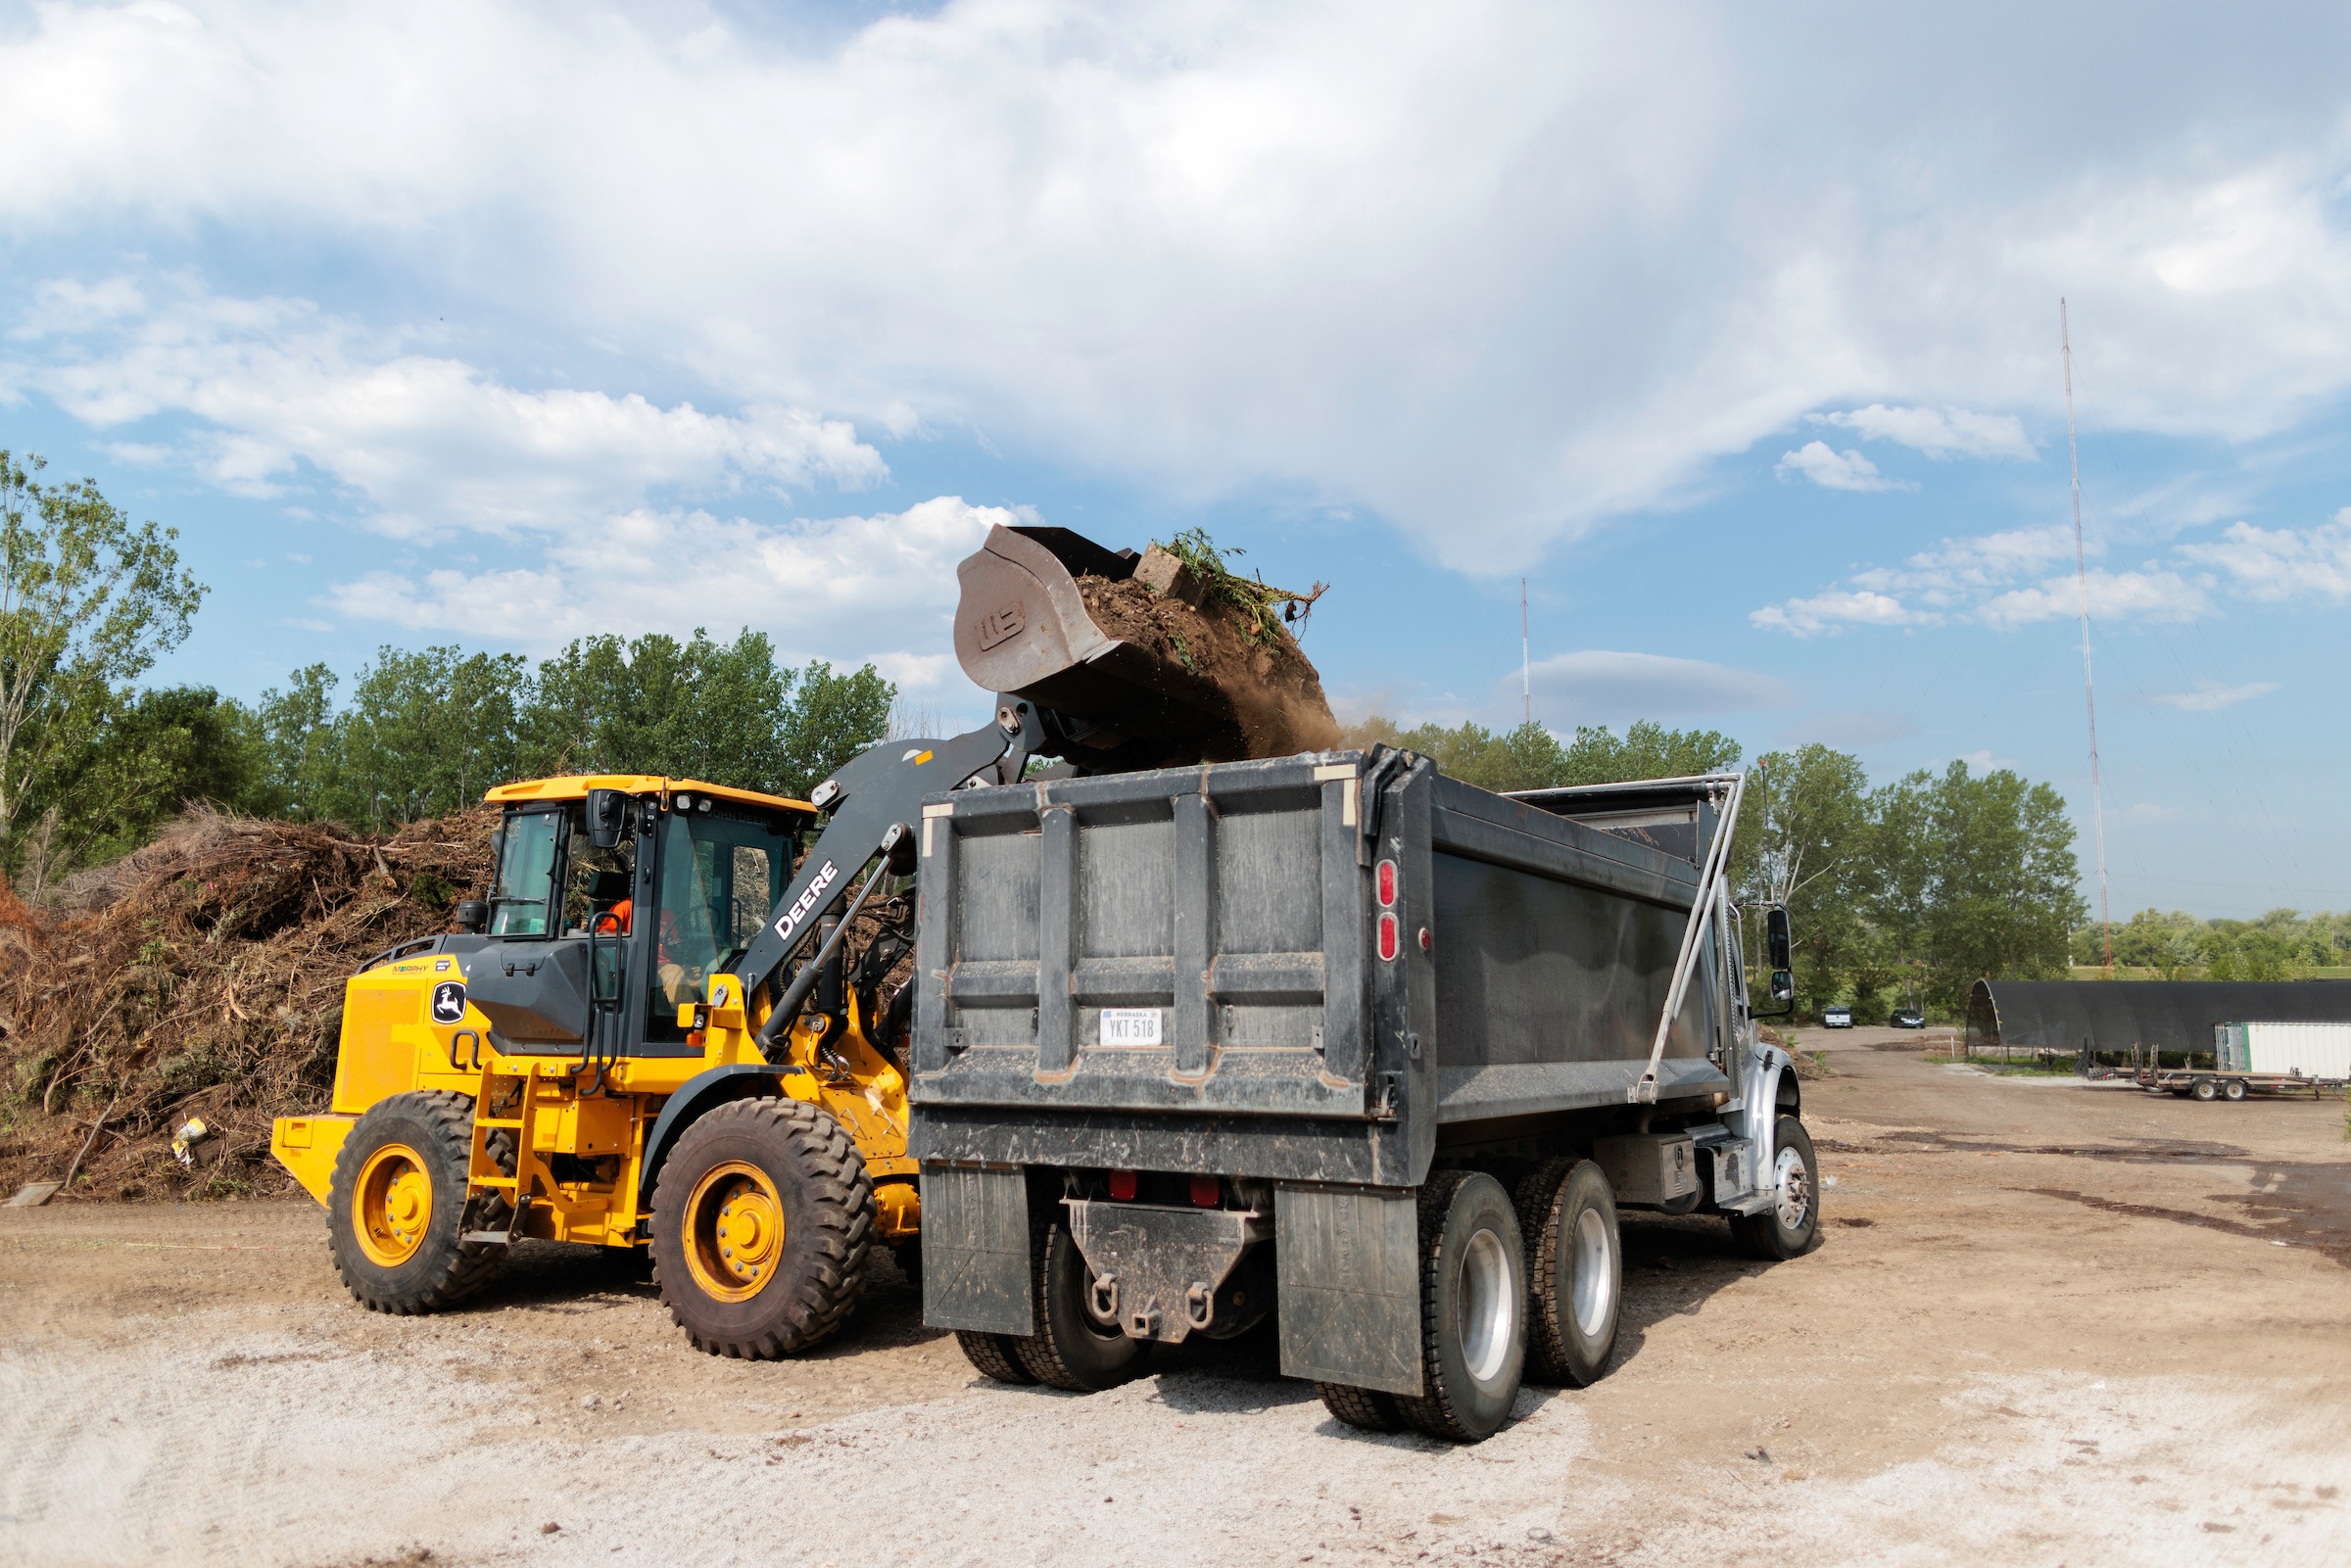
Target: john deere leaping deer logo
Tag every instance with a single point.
(449, 1001)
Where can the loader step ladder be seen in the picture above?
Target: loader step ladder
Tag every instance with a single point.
(483, 1172)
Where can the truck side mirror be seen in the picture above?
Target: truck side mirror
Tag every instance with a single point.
(1777, 942)
(473, 915)
(607, 813)
(1783, 986)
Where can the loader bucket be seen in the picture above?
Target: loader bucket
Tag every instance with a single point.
(1021, 628)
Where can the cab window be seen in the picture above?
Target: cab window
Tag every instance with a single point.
(720, 876)
(526, 874)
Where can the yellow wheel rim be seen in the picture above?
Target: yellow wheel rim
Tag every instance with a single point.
(393, 1208)
(734, 1231)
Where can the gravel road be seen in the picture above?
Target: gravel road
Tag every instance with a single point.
(2050, 1323)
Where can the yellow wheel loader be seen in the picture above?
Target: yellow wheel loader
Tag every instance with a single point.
(617, 1048)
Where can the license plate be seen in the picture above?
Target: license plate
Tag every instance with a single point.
(1131, 1025)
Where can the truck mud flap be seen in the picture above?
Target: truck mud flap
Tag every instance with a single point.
(1349, 1266)
(976, 1248)
(1158, 1270)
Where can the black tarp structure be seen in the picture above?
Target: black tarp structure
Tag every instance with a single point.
(2132, 1018)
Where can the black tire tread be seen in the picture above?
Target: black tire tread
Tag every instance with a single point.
(995, 1355)
(841, 1195)
(1037, 1352)
(462, 1268)
(1759, 1234)
(1364, 1409)
(1433, 1412)
(1538, 1203)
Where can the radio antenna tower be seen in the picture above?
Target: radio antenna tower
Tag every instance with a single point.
(2089, 690)
(1526, 663)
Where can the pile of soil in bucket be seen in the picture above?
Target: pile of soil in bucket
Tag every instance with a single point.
(202, 977)
(1255, 664)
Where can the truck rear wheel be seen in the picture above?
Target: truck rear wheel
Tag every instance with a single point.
(763, 1222)
(1575, 1271)
(2205, 1089)
(1472, 1308)
(2235, 1089)
(1791, 1223)
(396, 1207)
(1071, 1348)
(1364, 1409)
(996, 1355)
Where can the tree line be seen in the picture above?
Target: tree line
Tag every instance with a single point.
(92, 763)
(1902, 892)
(2284, 945)
(1910, 889)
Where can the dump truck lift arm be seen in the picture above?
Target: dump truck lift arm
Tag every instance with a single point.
(875, 803)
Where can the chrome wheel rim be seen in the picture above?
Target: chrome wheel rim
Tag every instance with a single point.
(1594, 1286)
(1485, 1309)
(1794, 1190)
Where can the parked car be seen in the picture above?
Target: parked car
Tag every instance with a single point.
(1908, 1018)
(1835, 1017)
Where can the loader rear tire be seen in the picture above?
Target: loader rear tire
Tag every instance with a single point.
(396, 1206)
(996, 1355)
(1575, 1273)
(1472, 1308)
(1364, 1409)
(1070, 1349)
(763, 1225)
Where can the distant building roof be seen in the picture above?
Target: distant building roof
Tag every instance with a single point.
(2157, 1014)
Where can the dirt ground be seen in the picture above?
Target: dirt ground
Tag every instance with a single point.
(2050, 1322)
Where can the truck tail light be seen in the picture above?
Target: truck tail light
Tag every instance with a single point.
(1206, 1190)
(1389, 942)
(1385, 878)
(1122, 1186)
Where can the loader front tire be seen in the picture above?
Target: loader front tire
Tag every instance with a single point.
(763, 1225)
(396, 1206)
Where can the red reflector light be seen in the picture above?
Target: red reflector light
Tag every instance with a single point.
(1206, 1190)
(1122, 1186)
(1388, 942)
(1385, 877)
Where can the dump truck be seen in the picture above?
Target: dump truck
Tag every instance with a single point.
(1332, 1042)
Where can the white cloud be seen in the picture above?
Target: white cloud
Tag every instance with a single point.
(1835, 610)
(427, 440)
(1937, 432)
(844, 589)
(2004, 580)
(1598, 686)
(2209, 697)
(1332, 247)
(2279, 563)
(1835, 470)
(2147, 811)
(2149, 595)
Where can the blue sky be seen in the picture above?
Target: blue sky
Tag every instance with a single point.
(1733, 330)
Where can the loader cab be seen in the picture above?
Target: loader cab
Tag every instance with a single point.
(613, 901)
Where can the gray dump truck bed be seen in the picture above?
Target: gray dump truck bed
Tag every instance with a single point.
(1307, 981)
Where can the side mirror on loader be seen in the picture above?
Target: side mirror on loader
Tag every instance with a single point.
(607, 813)
(473, 915)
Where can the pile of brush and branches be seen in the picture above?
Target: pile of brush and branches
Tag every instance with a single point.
(202, 978)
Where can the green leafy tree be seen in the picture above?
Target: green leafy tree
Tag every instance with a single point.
(833, 718)
(1975, 877)
(1805, 842)
(157, 754)
(88, 602)
(427, 733)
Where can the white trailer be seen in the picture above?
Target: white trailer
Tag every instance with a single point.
(2258, 1058)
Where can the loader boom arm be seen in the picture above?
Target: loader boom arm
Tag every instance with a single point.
(879, 789)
